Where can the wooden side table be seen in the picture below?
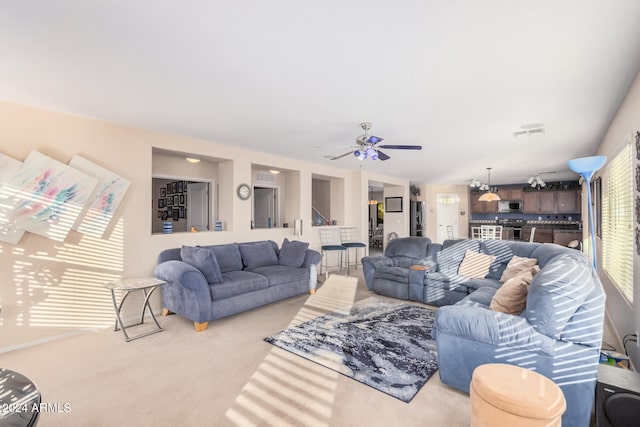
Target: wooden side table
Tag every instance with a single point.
(416, 281)
(145, 284)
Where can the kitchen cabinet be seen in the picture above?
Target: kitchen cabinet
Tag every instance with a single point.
(563, 237)
(482, 207)
(541, 235)
(569, 201)
(510, 193)
(552, 202)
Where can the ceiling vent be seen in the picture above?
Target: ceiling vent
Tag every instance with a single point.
(529, 129)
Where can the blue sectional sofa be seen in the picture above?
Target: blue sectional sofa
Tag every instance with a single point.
(209, 282)
(558, 333)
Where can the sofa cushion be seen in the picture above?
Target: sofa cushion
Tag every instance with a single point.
(228, 256)
(475, 264)
(557, 291)
(237, 283)
(258, 254)
(396, 274)
(412, 247)
(279, 274)
(204, 260)
(450, 257)
(292, 253)
(512, 295)
(516, 265)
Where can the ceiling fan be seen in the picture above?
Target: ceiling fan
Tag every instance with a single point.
(367, 146)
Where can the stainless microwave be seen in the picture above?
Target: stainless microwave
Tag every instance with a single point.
(509, 206)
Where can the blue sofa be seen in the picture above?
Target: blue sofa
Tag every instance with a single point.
(558, 333)
(209, 282)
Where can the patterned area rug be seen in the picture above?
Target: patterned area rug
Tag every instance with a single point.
(384, 344)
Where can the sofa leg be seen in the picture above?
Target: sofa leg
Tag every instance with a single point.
(312, 291)
(165, 311)
(200, 326)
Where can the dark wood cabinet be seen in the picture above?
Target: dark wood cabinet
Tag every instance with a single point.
(563, 237)
(541, 235)
(568, 201)
(531, 202)
(510, 193)
(547, 202)
(552, 202)
(482, 207)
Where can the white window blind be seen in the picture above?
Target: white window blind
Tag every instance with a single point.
(617, 223)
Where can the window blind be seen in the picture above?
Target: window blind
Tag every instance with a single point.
(617, 223)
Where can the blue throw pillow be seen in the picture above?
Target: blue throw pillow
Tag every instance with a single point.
(258, 254)
(204, 260)
(292, 253)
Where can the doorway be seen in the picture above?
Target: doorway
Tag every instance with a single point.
(198, 197)
(447, 216)
(265, 207)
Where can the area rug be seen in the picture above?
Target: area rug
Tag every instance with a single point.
(386, 345)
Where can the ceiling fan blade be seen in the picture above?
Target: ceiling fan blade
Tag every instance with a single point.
(382, 156)
(341, 156)
(374, 139)
(402, 147)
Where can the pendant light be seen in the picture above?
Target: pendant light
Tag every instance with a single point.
(489, 196)
(372, 201)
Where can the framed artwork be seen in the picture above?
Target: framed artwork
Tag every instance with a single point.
(176, 200)
(165, 215)
(174, 187)
(160, 214)
(8, 233)
(181, 212)
(180, 186)
(393, 204)
(160, 203)
(169, 201)
(104, 201)
(49, 196)
(169, 187)
(163, 192)
(176, 215)
(182, 199)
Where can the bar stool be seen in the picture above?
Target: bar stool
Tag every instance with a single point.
(330, 242)
(348, 237)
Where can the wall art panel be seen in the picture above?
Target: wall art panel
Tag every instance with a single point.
(8, 168)
(48, 196)
(104, 201)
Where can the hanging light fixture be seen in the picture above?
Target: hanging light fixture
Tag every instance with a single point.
(372, 201)
(489, 196)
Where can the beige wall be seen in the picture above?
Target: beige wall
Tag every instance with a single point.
(625, 317)
(50, 288)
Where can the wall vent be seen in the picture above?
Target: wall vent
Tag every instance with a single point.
(266, 177)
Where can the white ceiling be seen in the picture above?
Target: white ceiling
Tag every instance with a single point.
(286, 76)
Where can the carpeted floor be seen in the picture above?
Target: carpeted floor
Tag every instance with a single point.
(384, 344)
(224, 376)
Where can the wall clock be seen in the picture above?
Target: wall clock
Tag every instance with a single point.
(244, 192)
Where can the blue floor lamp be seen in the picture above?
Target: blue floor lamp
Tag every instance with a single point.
(585, 167)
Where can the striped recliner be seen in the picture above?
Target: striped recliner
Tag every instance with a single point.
(558, 334)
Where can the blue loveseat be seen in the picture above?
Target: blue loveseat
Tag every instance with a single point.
(558, 333)
(209, 282)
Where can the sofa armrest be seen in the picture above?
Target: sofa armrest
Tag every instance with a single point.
(369, 266)
(187, 292)
(491, 327)
(311, 257)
